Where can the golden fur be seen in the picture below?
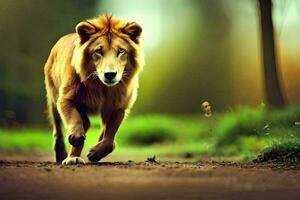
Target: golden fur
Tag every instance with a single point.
(77, 85)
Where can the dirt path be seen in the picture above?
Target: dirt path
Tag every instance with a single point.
(143, 180)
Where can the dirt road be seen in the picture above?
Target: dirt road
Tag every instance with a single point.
(146, 180)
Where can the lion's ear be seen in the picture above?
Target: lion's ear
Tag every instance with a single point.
(85, 30)
(134, 31)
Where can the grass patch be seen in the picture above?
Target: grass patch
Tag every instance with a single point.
(25, 139)
(245, 147)
(138, 135)
(243, 122)
(250, 132)
(242, 133)
(257, 122)
(284, 151)
(159, 129)
(148, 130)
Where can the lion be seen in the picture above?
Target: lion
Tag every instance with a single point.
(93, 71)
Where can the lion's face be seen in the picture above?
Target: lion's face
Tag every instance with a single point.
(107, 49)
(110, 59)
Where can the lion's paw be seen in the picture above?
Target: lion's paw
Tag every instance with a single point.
(73, 161)
(99, 151)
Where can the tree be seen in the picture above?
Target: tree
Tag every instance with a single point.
(274, 95)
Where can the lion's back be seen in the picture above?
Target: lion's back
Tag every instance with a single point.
(58, 62)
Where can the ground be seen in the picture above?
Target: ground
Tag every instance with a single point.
(27, 177)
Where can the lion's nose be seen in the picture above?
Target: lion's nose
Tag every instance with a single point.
(110, 75)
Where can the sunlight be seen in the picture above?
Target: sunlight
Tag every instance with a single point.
(146, 13)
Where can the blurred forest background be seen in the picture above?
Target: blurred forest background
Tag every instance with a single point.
(220, 52)
(195, 50)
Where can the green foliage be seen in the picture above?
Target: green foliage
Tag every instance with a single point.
(243, 122)
(257, 122)
(282, 151)
(138, 135)
(243, 133)
(245, 147)
(145, 130)
(157, 129)
(286, 118)
(25, 139)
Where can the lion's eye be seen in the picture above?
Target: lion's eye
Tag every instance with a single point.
(120, 51)
(99, 52)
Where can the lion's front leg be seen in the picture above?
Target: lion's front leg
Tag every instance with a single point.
(74, 154)
(77, 125)
(111, 122)
(72, 120)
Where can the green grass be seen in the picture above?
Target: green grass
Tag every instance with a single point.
(152, 129)
(286, 150)
(251, 130)
(138, 135)
(147, 130)
(243, 122)
(257, 122)
(244, 133)
(25, 139)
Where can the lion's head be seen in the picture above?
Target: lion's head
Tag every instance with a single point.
(107, 48)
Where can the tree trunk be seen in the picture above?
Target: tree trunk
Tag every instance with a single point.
(273, 92)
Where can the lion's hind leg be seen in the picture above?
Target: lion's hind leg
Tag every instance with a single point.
(58, 138)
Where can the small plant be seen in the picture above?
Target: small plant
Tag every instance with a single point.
(151, 159)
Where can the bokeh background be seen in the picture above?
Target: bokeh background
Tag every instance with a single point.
(195, 51)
